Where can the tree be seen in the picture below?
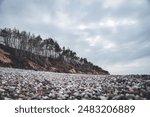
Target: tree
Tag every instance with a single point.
(36, 43)
(85, 60)
(6, 33)
(30, 43)
(23, 40)
(72, 54)
(57, 48)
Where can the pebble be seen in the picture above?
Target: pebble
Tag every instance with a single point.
(103, 98)
(130, 96)
(119, 97)
(6, 98)
(2, 90)
(11, 88)
(4, 82)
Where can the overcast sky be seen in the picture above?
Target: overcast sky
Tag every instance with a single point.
(114, 34)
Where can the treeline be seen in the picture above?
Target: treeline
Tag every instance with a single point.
(49, 47)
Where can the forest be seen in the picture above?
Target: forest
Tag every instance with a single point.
(46, 48)
(35, 44)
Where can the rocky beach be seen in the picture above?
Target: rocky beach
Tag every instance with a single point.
(18, 84)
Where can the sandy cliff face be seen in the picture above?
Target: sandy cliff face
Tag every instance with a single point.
(4, 57)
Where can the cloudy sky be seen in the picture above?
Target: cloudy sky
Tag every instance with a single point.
(114, 34)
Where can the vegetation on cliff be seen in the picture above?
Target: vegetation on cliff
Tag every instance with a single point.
(27, 51)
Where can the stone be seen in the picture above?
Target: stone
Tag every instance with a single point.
(119, 97)
(130, 96)
(102, 97)
(135, 87)
(4, 82)
(137, 97)
(148, 89)
(45, 97)
(2, 90)
(6, 98)
(17, 91)
(11, 88)
(76, 94)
